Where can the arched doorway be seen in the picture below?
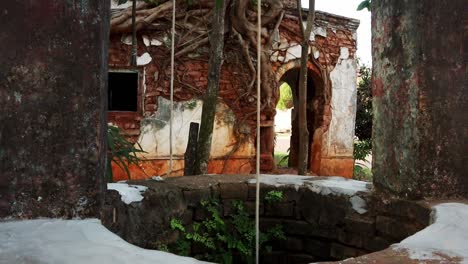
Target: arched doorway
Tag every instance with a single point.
(315, 110)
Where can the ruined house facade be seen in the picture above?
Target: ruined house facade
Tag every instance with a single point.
(139, 98)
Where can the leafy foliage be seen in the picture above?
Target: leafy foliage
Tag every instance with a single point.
(121, 151)
(286, 97)
(364, 4)
(274, 196)
(281, 159)
(362, 173)
(363, 115)
(362, 149)
(224, 238)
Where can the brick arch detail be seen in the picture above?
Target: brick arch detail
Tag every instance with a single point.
(322, 82)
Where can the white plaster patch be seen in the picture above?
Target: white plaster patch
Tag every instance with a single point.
(154, 137)
(316, 52)
(274, 56)
(337, 186)
(318, 31)
(128, 193)
(17, 96)
(321, 185)
(344, 53)
(447, 234)
(283, 45)
(339, 139)
(359, 205)
(146, 40)
(126, 39)
(294, 52)
(144, 59)
(73, 241)
(115, 4)
(155, 42)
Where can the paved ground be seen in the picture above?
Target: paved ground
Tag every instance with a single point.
(282, 142)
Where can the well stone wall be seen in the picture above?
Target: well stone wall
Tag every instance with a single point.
(321, 223)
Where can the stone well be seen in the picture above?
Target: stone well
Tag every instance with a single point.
(324, 219)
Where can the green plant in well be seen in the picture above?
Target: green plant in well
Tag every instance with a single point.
(223, 238)
(274, 196)
(121, 151)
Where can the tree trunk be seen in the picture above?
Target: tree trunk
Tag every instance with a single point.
(419, 98)
(211, 96)
(302, 111)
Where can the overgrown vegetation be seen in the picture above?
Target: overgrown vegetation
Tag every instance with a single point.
(365, 4)
(363, 131)
(286, 97)
(362, 173)
(121, 151)
(274, 196)
(281, 159)
(225, 239)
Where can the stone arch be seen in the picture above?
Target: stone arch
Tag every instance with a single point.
(317, 105)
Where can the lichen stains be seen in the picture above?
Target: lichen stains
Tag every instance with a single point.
(377, 87)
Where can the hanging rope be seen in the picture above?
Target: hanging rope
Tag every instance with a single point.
(169, 171)
(257, 187)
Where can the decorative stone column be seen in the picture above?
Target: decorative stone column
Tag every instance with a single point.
(53, 75)
(420, 93)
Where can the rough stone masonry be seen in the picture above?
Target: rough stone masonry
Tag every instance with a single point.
(53, 76)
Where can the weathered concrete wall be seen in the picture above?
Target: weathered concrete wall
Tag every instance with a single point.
(154, 140)
(53, 75)
(321, 221)
(420, 98)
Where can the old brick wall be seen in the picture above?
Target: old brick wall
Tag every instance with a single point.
(318, 226)
(420, 97)
(332, 35)
(53, 75)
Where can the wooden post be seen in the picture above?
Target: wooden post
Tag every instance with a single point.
(191, 151)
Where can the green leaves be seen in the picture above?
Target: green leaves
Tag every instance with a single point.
(364, 4)
(286, 98)
(224, 237)
(274, 196)
(219, 3)
(362, 149)
(121, 151)
(364, 115)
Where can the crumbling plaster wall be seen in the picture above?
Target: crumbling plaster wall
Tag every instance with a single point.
(332, 33)
(332, 60)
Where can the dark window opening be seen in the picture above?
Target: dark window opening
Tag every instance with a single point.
(122, 92)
